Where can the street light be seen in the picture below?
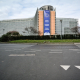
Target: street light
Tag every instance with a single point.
(61, 29)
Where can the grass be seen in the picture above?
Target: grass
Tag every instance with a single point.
(47, 41)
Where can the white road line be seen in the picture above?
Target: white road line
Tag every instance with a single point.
(8, 50)
(55, 52)
(32, 49)
(41, 49)
(29, 51)
(17, 49)
(65, 67)
(75, 49)
(30, 54)
(17, 55)
(22, 48)
(35, 50)
(77, 66)
(22, 55)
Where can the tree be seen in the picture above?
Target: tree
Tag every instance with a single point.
(13, 33)
(75, 29)
(33, 30)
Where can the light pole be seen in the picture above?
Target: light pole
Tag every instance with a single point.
(61, 29)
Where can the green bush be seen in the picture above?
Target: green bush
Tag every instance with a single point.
(4, 38)
(13, 33)
(9, 36)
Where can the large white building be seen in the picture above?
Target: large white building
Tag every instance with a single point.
(44, 21)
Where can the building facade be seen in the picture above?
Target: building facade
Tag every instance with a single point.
(44, 21)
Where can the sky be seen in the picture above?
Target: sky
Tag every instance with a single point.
(18, 9)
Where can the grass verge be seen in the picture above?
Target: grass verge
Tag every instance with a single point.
(47, 41)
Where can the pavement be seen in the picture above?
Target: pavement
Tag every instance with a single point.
(39, 61)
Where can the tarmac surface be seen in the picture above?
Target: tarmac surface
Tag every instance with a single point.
(39, 61)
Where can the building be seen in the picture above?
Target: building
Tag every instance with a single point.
(44, 21)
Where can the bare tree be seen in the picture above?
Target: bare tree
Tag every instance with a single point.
(27, 29)
(74, 29)
(33, 30)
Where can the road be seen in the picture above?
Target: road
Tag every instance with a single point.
(39, 62)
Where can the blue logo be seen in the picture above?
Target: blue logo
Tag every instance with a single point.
(46, 14)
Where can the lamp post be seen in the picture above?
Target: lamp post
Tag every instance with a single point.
(61, 29)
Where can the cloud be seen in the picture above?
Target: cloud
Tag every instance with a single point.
(13, 9)
(25, 13)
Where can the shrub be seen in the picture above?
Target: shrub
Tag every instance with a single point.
(4, 38)
(13, 33)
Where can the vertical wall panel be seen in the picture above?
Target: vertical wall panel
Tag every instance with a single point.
(40, 23)
(52, 22)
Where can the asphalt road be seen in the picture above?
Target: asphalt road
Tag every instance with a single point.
(39, 62)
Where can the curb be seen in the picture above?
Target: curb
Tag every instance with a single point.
(40, 43)
(76, 43)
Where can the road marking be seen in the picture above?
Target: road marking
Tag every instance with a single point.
(35, 50)
(65, 67)
(22, 48)
(32, 49)
(29, 51)
(77, 67)
(75, 49)
(8, 50)
(22, 55)
(30, 54)
(55, 52)
(17, 49)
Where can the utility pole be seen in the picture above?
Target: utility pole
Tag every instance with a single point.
(61, 29)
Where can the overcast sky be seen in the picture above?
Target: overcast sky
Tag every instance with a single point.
(15, 9)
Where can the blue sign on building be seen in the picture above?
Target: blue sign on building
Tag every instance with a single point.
(46, 22)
